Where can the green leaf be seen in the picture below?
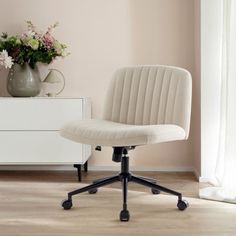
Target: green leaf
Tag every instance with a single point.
(4, 35)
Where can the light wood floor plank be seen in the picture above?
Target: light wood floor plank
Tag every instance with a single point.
(30, 205)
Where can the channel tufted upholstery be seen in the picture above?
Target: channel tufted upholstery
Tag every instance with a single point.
(144, 104)
(150, 95)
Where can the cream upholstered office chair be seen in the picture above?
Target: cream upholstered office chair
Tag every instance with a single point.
(144, 105)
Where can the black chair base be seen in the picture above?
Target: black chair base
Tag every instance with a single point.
(125, 176)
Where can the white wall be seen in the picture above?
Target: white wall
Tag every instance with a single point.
(105, 34)
(196, 112)
(211, 30)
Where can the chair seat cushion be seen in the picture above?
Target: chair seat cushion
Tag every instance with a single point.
(108, 133)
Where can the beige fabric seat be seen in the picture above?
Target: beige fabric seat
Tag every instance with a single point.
(145, 105)
(108, 133)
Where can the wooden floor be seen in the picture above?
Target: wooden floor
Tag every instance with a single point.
(184, 182)
(29, 206)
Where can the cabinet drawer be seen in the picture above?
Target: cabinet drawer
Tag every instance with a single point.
(40, 147)
(38, 114)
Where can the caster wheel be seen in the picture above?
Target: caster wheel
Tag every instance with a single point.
(66, 204)
(124, 215)
(182, 205)
(93, 191)
(155, 191)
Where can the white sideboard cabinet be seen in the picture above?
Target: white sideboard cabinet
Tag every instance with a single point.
(29, 131)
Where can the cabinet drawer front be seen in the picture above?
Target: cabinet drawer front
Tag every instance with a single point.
(35, 147)
(38, 114)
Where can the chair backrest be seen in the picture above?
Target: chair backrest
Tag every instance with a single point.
(148, 95)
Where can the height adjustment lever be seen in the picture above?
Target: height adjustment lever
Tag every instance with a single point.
(98, 148)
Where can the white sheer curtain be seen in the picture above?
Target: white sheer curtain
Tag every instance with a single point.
(225, 174)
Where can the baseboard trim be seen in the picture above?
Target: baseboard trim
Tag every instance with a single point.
(144, 168)
(37, 168)
(197, 174)
(94, 168)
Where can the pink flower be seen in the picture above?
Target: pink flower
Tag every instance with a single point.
(48, 40)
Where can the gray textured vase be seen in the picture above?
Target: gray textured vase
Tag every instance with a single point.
(23, 81)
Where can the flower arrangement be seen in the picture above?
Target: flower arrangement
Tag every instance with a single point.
(31, 47)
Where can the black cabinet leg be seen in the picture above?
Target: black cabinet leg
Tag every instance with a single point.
(86, 166)
(78, 166)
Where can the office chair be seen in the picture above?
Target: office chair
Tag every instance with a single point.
(144, 105)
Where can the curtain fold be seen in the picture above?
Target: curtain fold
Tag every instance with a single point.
(225, 173)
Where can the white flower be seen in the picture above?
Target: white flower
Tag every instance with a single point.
(58, 47)
(8, 62)
(28, 33)
(5, 60)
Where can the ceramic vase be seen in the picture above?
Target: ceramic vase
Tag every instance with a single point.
(23, 81)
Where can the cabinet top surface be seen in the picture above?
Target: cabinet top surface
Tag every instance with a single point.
(32, 98)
